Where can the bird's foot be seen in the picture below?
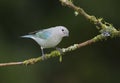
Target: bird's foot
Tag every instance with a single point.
(60, 50)
(43, 57)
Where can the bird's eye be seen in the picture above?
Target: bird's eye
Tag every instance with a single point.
(62, 29)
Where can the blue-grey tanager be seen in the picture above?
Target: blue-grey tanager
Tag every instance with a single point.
(48, 38)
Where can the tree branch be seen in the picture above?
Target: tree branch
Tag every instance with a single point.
(54, 53)
(10, 64)
(106, 30)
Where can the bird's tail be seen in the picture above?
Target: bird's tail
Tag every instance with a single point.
(27, 36)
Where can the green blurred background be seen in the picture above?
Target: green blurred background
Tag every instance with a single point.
(97, 63)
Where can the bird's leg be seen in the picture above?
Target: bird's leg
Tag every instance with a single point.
(43, 55)
(42, 51)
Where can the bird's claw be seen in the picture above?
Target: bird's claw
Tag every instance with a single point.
(43, 57)
(60, 50)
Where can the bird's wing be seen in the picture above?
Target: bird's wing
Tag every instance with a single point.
(34, 32)
(44, 34)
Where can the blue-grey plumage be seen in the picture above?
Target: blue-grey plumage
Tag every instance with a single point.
(50, 37)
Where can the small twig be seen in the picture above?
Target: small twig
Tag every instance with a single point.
(75, 8)
(80, 11)
(10, 64)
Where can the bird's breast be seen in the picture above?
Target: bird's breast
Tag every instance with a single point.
(50, 42)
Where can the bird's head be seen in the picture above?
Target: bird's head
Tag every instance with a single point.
(63, 31)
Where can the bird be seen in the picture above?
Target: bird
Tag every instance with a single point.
(48, 38)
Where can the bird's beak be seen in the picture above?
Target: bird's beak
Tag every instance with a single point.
(67, 35)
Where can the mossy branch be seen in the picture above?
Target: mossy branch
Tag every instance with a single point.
(106, 30)
(54, 53)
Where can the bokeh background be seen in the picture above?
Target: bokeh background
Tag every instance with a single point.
(97, 63)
